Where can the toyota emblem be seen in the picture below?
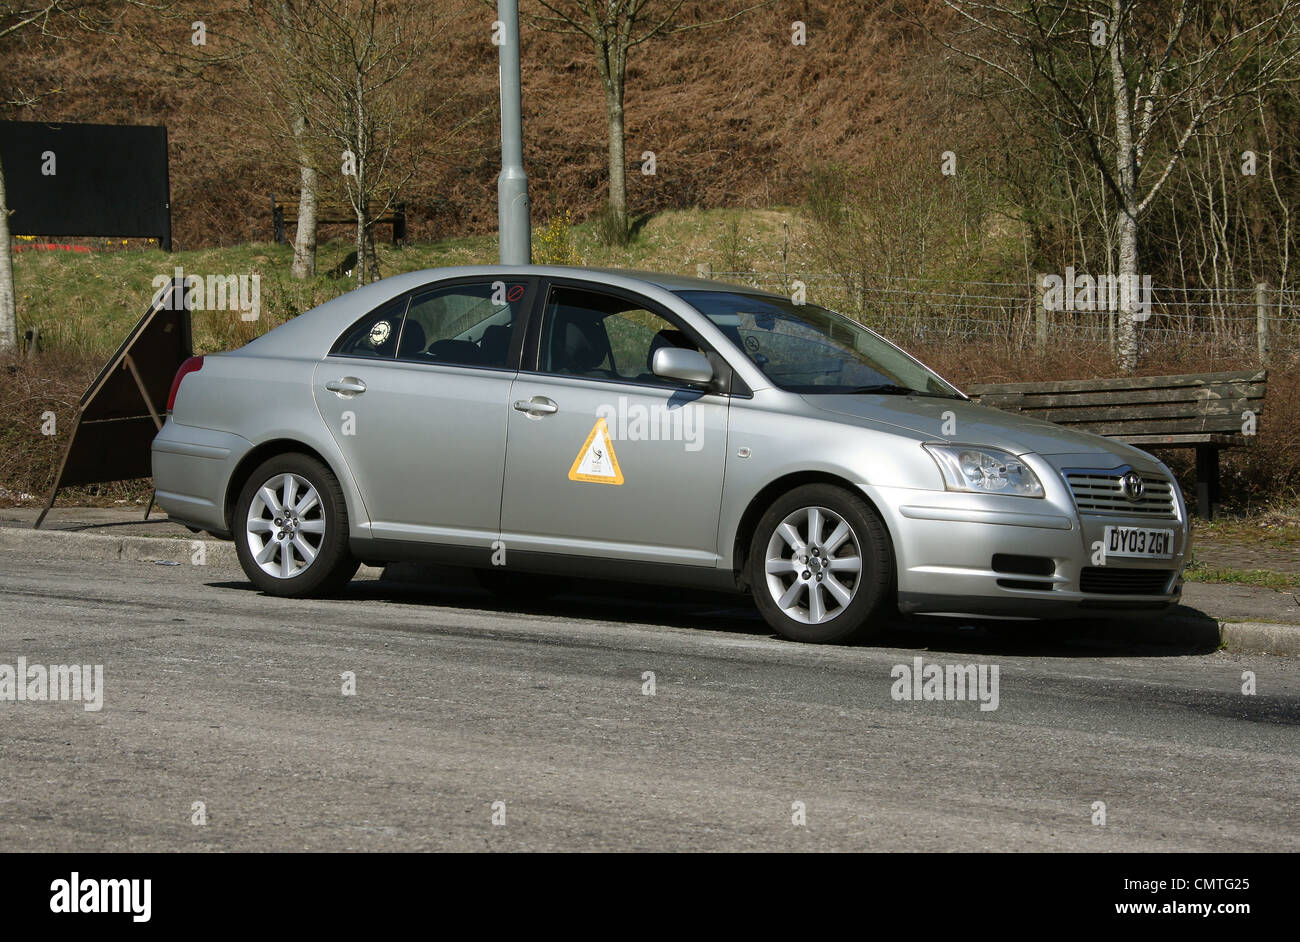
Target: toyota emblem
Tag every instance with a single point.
(1132, 486)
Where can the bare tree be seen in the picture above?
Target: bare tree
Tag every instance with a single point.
(275, 48)
(615, 28)
(349, 104)
(1133, 85)
(253, 44)
(8, 310)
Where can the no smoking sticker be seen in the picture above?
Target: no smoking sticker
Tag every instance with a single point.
(596, 462)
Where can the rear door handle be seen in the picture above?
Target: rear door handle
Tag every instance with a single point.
(538, 405)
(347, 386)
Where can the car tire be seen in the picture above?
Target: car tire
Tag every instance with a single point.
(302, 554)
(832, 588)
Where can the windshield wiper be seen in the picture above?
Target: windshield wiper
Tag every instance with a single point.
(893, 389)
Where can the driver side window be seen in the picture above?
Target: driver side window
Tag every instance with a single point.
(601, 336)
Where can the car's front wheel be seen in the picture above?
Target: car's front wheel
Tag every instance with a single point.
(291, 528)
(821, 565)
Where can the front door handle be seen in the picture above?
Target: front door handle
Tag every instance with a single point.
(345, 387)
(538, 405)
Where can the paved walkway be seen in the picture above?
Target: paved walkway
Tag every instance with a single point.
(113, 521)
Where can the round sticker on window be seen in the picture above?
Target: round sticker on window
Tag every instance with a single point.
(379, 333)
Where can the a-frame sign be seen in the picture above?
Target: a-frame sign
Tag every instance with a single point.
(122, 410)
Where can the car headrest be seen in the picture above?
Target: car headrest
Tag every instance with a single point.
(413, 339)
(583, 345)
(495, 344)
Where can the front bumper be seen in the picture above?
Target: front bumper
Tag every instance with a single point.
(974, 554)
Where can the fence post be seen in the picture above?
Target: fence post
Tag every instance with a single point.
(703, 270)
(1261, 322)
(1040, 312)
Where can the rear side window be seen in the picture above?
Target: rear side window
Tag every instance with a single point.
(376, 334)
(464, 325)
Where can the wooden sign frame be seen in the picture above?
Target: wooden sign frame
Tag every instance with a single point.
(123, 408)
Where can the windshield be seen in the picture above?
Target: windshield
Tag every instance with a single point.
(804, 348)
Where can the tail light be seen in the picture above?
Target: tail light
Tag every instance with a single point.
(192, 365)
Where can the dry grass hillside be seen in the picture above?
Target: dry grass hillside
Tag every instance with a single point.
(735, 114)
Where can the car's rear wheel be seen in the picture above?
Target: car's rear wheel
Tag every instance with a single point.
(291, 528)
(821, 565)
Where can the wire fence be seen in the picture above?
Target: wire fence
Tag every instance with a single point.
(1259, 322)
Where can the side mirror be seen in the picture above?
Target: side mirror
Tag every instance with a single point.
(686, 366)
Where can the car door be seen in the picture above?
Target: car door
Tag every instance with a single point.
(416, 394)
(603, 458)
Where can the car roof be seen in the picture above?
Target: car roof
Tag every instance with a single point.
(321, 324)
(672, 282)
(665, 280)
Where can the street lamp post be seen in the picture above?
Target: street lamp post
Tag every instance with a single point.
(514, 227)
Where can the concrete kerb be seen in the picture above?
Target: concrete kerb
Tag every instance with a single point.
(137, 548)
(1254, 637)
(1235, 637)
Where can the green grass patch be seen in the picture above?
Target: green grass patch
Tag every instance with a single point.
(85, 303)
(1264, 578)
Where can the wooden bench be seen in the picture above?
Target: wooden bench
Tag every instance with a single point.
(1205, 411)
(284, 212)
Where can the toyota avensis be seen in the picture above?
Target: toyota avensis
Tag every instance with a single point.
(623, 425)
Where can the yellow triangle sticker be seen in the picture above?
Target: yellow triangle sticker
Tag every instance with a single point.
(596, 462)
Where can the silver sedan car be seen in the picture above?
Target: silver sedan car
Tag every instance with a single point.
(562, 422)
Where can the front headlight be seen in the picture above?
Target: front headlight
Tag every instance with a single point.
(984, 470)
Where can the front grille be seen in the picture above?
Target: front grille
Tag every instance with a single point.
(1025, 585)
(1099, 492)
(1111, 580)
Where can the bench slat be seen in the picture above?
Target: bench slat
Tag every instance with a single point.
(1243, 392)
(1180, 441)
(285, 213)
(1192, 380)
(1140, 413)
(1226, 424)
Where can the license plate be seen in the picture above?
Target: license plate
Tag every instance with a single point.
(1139, 543)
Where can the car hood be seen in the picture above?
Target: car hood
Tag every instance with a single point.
(972, 424)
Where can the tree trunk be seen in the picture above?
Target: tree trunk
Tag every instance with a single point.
(372, 257)
(1126, 219)
(8, 314)
(359, 266)
(617, 159)
(1127, 352)
(304, 240)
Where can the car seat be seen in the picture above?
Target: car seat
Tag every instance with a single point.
(579, 344)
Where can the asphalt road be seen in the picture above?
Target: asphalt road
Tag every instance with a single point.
(217, 694)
